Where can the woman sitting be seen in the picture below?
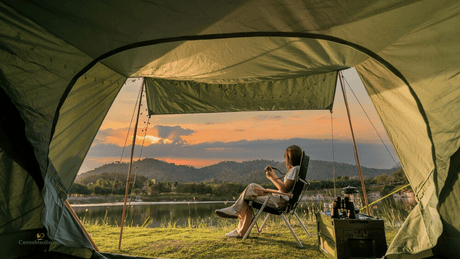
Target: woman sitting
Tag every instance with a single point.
(255, 192)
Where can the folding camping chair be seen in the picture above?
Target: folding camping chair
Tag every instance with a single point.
(291, 207)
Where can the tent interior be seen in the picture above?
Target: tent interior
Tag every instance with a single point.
(63, 64)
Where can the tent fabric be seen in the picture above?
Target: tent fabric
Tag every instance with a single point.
(174, 97)
(403, 113)
(80, 117)
(34, 68)
(20, 190)
(63, 63)
(237, 58)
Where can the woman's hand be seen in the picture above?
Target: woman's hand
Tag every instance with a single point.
(285, 186)
(269, 172)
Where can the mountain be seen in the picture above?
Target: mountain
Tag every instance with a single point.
(228, 171)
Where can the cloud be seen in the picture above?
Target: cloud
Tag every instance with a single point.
(157, 134)
(167, 134)
(111, 136)
(321, 119)
(266, 117)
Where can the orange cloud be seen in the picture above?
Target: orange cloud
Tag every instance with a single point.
(153, 140)
(260, 128)
(299, 124)
(154, 135)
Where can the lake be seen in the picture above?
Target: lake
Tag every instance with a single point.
(160, 213)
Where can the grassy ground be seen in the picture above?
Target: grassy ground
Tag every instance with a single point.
(275, 241)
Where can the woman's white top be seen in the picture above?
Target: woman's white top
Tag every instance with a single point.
(291, 175)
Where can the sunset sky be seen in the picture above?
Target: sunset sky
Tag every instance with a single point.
(204, 139)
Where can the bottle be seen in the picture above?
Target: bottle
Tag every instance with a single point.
(350, 207)
(335, 208)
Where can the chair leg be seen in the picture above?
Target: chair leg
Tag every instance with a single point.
(301, 223)
(263, 224)
(292, 231)
(255, 218)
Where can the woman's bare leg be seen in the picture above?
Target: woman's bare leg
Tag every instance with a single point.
(245, 217)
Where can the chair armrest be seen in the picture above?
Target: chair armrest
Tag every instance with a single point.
(273, 191)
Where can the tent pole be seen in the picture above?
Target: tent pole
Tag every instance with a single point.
(333, 156)
(354, 145)
(81, 225)
(130, 164)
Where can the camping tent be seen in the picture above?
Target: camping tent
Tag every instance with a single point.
(63, 63)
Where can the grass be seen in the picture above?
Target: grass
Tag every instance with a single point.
(185, 242)
(200, 240)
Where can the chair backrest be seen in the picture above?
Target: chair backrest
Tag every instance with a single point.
(299, 185)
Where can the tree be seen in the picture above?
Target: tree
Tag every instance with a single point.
(79, 189)
(399, 177)
(97, 189)
(382, 179)
(100, 182)
(137, 191)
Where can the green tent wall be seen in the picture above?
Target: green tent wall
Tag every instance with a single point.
(63, 63)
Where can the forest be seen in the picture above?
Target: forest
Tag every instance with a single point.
(114, 183)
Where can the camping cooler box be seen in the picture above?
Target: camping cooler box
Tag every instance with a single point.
(339, 238)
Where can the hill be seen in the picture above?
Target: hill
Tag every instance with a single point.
(228, 171)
